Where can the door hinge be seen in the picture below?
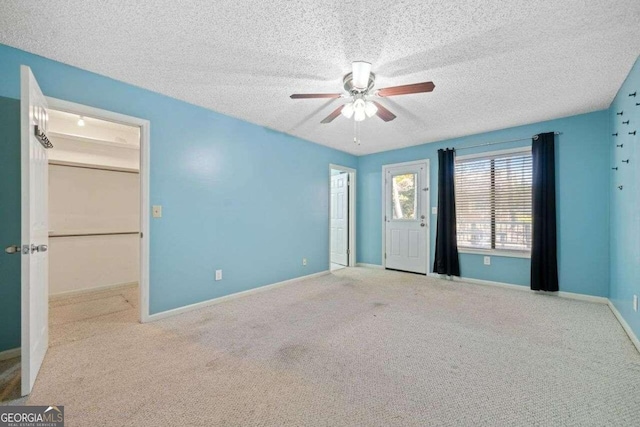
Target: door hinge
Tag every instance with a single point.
(348, 252)
(141, 235)
(385, 255)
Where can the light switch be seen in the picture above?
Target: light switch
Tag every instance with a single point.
(157, 211)
(434, 210)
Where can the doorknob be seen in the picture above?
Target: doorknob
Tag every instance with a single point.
(39, 248)
(422, 224)
(13, 249)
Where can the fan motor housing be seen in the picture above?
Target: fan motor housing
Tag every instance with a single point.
(348, 84)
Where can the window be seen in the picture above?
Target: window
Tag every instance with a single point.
(403, 197)
(493, 201)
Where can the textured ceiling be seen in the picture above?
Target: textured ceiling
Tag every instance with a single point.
(495, 64)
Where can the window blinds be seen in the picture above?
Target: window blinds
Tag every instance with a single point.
(493, 201)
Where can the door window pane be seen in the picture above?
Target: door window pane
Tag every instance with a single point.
(403, 196)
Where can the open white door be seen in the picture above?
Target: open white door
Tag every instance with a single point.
(340, 219)
(406, 218)
(35, 228)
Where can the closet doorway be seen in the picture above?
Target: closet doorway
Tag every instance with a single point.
(98, 226)
(342, 196)
(94, 220)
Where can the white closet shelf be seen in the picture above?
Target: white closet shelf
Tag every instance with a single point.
(94, 140)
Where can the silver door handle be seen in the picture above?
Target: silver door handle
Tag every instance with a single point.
(13, 249)
(39, 248)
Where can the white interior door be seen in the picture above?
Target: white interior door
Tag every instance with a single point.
(35, 229)
(340, 219)
(406, 196)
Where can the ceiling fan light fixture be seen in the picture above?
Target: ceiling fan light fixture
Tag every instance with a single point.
(359, 115)
(370, 109)
(361, 71)
(347, 110)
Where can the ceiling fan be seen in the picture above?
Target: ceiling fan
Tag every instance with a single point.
(359, 85)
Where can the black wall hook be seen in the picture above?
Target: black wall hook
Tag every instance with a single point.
(619, 187)
(632, 133)
(626, 161)
(633, 94)
(625, 123)
(614, 134)
(620, 113)
(620, 146)
(615, 169)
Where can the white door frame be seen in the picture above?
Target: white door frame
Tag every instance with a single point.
(145, 140)
(427, 215)
(352, 212)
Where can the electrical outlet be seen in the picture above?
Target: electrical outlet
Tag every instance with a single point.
(157, 211)
(635, 303)
(218, 274)
(487, 260)
(304, 261)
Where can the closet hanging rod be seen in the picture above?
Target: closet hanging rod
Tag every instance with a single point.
(100, 168)
(502, 142)
(115, 233)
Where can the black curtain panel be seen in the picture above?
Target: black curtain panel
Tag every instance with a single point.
(544, 262)
(446, 259)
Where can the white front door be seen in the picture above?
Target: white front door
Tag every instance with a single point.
(35, 229)
(406, 216)
(339, 219)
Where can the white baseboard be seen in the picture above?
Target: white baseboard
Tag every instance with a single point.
(364, 264)
(207, 303)
(9, 354)
(89, 290)
(561, 294)
(625, 325)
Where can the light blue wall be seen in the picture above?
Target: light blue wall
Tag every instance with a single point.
(236, 196)
(582, 167)
(625, 203)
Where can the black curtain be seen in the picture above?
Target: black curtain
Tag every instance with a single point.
(544, 262)
(446, 259)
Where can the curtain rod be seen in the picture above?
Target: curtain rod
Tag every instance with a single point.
(502, 142)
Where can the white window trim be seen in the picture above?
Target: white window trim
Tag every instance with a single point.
(488, 154)
(495, 252)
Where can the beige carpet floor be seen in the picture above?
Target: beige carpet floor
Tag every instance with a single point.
(359, 347)
(10, 378)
